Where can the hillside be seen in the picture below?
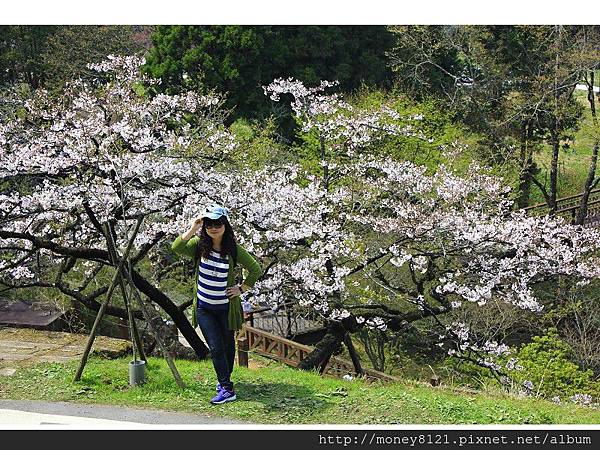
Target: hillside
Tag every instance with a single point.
(574, 159)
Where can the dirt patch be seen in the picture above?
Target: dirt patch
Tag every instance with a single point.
(254, 364)
(22, 347)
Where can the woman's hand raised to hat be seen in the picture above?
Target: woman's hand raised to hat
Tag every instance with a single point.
(196, 224)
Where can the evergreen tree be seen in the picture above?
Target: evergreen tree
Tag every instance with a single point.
(239, 60)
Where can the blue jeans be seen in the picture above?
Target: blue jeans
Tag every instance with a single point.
(220, 340)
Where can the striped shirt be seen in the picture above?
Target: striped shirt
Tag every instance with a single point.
(212, 281)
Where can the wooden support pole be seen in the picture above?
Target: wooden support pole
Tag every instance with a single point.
(163, 349)
(243, 348)
(100, 314)
(135, 336)
(126, 275)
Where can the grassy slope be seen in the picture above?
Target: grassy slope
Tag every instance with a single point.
(573, 162)
(273, 393)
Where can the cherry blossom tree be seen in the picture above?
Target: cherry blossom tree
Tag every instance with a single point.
(105, 152)
(436, 241)
(398, 246)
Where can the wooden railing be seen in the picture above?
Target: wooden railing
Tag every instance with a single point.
(253, 340)
(288, 321)
(568, 207)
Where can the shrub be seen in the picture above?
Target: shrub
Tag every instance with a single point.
(546, 362)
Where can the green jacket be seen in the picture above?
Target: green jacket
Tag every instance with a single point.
(189, 248)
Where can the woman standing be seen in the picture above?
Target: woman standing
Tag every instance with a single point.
(217, 305)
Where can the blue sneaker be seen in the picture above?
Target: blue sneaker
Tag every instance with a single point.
(223, 396)
(219, 387)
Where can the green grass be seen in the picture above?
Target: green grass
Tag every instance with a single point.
(275, 393)
(573, 162)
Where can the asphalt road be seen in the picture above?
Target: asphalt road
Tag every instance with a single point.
(37, 413)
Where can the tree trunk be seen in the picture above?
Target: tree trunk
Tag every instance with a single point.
(181, 322)
(324, 348)
(323, 365)
(583, 204)
(554, 172)
(527, 165)
(591, 95)
(288, 316)
(353, 355)
(325, 183)
(555, 131)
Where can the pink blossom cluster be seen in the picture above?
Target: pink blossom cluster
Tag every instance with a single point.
(459, 342)
(337, 122)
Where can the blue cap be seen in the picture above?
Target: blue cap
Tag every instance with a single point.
(215, 211)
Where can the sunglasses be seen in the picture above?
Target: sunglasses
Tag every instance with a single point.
(213, 223)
